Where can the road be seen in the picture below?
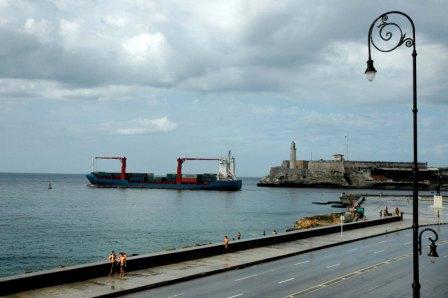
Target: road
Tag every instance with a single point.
(376, 267)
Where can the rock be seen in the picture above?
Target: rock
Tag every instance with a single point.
(318, 221)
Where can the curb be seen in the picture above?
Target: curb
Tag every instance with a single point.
(244, 265)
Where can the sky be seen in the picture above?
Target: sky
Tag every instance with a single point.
(155, 80)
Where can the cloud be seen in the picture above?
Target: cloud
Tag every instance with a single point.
(139, 126)
(146, 46)
(118, 21)
(39, 28)
(441, 149)
(70, 33)
(260, 72)
(31, 90)
(310, 51)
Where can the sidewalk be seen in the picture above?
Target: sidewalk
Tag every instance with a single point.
(163, 275)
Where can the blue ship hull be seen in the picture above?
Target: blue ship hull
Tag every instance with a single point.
(230, 185)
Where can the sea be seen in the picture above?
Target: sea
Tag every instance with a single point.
(72, 223)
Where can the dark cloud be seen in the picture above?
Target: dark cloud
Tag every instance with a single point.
(260, 73)
(274, 46)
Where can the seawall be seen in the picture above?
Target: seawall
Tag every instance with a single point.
(53, 277)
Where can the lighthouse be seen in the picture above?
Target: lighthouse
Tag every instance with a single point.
(292, 156)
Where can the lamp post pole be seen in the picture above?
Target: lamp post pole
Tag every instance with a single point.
(415, 237)
(384, 24)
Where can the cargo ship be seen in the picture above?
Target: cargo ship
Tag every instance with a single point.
(224, 180)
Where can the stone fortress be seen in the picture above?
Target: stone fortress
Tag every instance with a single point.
(342, 173)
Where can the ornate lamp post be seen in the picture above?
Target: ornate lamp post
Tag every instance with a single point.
(385, 26)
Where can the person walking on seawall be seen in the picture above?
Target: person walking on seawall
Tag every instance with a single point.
(226, 243)
(238, 236)
(381, 213)
(123, 259)
(112, 259)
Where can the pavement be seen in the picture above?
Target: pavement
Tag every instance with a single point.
(164, 275)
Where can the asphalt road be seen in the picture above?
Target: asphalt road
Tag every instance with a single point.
(376, 267)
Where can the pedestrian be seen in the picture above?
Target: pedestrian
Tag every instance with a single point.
(123, 259)
(264, 233)
(386, 212)
(226, 243)
(238, 236)
(381, 213)
(112, 259)
(397, 211)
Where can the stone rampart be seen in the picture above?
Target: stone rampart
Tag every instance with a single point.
(302, 164)
(285, 164)
(326, 166)
(383, 164)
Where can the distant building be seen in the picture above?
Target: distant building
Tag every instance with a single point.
(338, 157)
(341, 173)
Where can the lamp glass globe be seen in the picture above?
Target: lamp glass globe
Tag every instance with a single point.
(370, 75)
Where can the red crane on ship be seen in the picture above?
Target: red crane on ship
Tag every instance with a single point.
(121, 159)
(181, 160)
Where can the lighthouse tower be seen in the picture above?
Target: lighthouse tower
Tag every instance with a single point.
(292, 156)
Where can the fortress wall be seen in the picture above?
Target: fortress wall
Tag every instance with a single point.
(275, 171)
(301, 164)
(326, 177)
(285, 164)
(326, 166)
(299, 172)
(382, 164)
(331, 165)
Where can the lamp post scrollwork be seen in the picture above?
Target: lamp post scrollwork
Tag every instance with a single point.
(432, 247)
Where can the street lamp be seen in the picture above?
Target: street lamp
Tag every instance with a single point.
(432, 247)
(385, 27)
(370, 71)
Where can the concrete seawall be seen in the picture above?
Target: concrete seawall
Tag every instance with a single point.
(19, 283)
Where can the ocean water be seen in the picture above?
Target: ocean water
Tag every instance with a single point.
(73, 223)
